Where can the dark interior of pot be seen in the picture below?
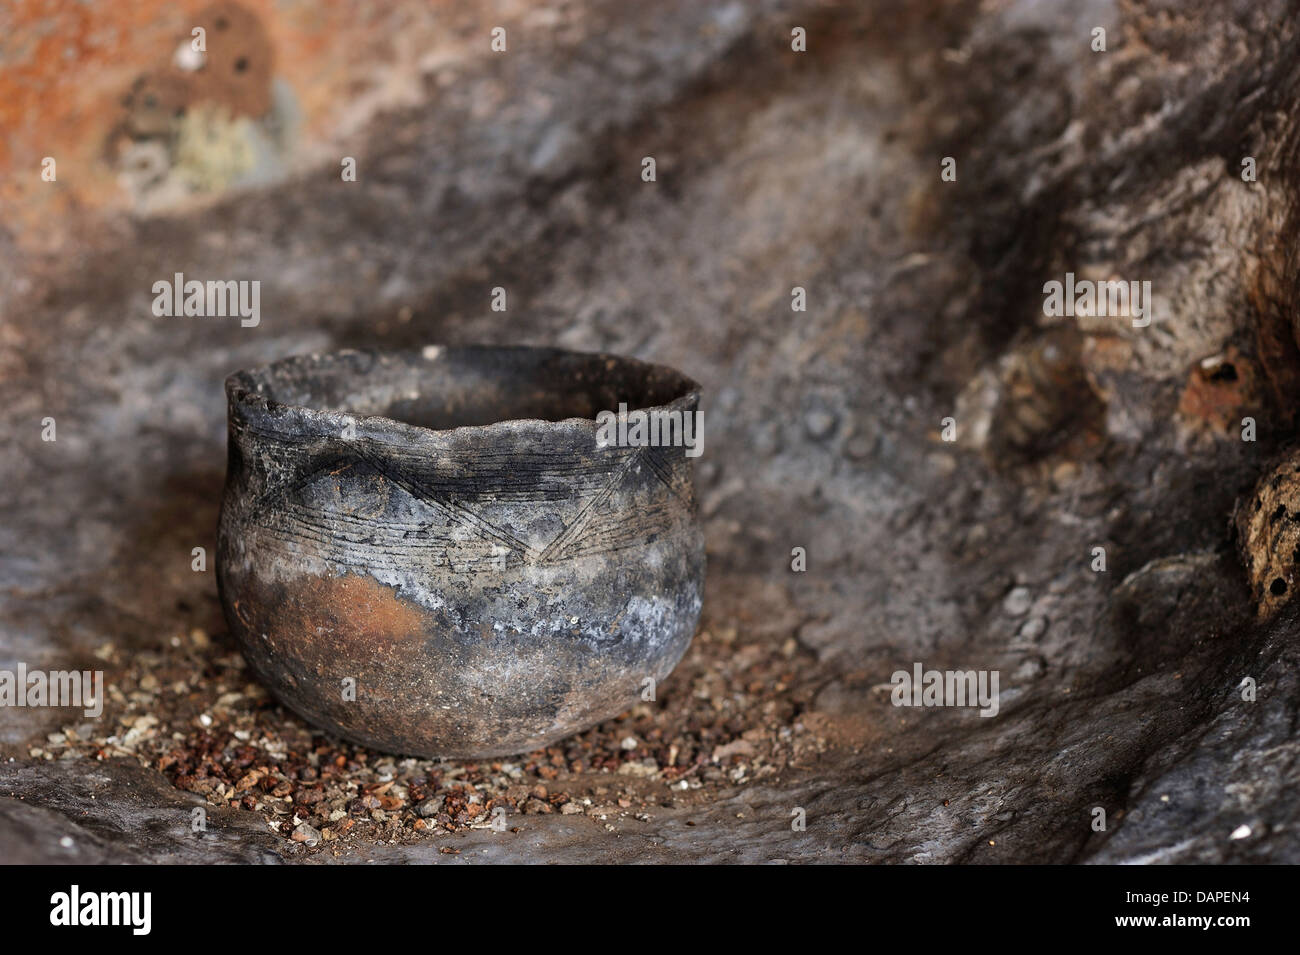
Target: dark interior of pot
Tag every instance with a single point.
(457, 386)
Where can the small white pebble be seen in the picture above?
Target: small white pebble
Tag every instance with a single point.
(1033, 628)
(1241, 832)
(66, 842)
(1017, 602)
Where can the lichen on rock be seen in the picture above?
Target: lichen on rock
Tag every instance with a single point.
(1268, 535)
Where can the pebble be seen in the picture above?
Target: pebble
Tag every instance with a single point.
(860, 446)
(1033, 628)
(643, 768)
(1017, 602)
(819, 423)
(1031, 669)
(306, 834)
(1065, 472)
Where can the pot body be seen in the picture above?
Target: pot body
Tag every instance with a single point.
(472, 591)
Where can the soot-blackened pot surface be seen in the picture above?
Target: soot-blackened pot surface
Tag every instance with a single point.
(427, 552)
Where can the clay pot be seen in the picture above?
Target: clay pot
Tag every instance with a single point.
(427, 552)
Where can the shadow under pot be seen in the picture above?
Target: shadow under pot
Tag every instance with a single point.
(449, 551)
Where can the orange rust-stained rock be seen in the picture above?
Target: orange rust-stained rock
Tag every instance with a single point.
(1219, 391)
(80, 83)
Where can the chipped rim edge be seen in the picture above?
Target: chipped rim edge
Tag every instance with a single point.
(254, 407)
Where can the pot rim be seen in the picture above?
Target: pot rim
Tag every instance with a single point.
(243, 393)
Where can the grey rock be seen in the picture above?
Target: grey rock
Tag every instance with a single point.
(116, 811)
(771, 175)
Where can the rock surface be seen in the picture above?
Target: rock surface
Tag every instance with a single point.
(1121, 689)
